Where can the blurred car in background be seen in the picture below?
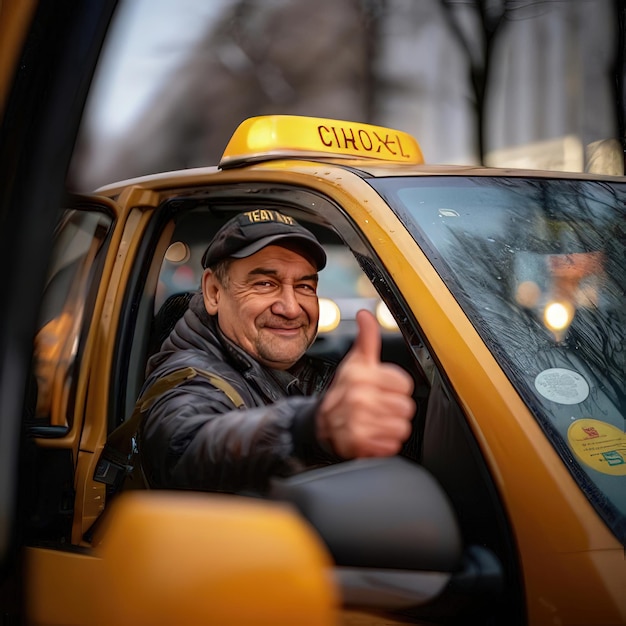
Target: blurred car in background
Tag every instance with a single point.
(500, 291)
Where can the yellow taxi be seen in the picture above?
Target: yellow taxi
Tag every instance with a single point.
(501, 292)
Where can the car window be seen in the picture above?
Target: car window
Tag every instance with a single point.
(537, 265)
(75, 268)
(174, 271)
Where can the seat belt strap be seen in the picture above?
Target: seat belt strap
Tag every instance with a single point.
(120, 455)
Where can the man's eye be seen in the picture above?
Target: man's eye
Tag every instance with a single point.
(307, 288)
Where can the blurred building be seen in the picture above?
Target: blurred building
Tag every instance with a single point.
(547, 69)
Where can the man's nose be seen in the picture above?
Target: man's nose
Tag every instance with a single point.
(287, 304)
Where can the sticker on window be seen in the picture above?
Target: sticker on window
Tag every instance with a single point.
(599, 445)
(562, 385)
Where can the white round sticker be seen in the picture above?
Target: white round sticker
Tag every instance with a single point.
(562, 385)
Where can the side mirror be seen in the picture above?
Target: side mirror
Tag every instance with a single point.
(384, 513)
(392, 532)
(187, 558)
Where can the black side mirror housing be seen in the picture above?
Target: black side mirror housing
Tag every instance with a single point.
(378, 513)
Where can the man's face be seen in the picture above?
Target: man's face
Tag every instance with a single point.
(268, 305)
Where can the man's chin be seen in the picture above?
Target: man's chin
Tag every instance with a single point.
(281, 359)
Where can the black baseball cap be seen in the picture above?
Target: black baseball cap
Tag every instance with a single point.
(249, 232)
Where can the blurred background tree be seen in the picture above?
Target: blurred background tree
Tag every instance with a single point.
(529, 83)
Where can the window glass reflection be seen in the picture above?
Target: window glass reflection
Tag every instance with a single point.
(537, 265)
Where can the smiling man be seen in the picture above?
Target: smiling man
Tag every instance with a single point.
(252, 404)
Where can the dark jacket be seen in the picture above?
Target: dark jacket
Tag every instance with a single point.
(194, 437)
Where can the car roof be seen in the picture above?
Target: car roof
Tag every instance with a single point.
(362, 167)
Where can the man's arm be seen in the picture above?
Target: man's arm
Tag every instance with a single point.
(194, 438)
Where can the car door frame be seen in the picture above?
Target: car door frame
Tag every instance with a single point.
(41, 118)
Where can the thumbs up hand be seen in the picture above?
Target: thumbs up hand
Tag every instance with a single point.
(367, 410)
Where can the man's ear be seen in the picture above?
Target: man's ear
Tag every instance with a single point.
(211, 289)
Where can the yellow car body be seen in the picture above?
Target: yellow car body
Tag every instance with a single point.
(72, 554)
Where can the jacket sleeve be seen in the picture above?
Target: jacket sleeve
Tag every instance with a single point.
(193, 437)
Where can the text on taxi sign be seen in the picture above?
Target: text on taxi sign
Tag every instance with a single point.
(345, 138)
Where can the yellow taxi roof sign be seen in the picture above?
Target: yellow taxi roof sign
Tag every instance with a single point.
(280, 136)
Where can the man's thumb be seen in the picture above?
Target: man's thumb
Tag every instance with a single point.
(368, 343)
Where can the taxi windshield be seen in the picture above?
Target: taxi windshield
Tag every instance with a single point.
(538, 267)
